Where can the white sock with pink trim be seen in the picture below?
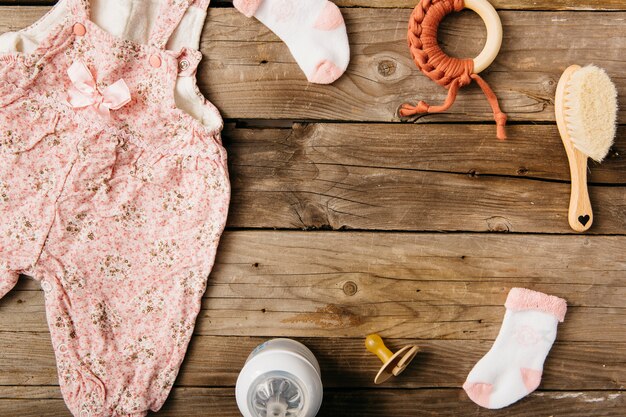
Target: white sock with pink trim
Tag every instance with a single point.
(313, 30)
(512, 368)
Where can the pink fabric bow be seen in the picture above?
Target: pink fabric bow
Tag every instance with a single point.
(84, 92)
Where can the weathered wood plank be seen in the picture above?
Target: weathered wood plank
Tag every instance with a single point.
(436, 403)
(392, 178)
(249, 73)
(255, 77)
(335, 286)
(305, 196)
(532, 151)
(28, 359)
(472, 270)
(418, 286)
(499, 4)
(194, 402)
(319, 316)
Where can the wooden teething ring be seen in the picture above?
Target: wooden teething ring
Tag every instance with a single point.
(452, 73)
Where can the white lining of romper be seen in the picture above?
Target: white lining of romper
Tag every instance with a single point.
(132, 20)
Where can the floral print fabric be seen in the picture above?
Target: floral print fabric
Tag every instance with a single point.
(119, 219)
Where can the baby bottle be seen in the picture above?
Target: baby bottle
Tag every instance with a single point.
(281, 378)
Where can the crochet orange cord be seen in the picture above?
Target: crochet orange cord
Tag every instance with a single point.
(451, 73)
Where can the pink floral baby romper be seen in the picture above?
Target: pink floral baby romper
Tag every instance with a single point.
(111, 195)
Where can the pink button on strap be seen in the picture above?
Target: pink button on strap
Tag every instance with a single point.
(79, 29)
(155, 61)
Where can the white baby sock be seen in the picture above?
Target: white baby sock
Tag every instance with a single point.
(512, 368)
(313, 30)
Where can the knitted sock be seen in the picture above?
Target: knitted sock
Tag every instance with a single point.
(313, 30)
(512, 368)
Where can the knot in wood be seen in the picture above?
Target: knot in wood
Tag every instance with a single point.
(350, 288)
(386, 68)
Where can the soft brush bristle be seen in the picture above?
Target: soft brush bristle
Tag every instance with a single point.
(591, 111)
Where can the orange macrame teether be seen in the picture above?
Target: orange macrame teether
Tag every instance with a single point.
(452, 73)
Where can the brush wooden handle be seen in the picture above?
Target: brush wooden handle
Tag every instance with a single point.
(580, 214)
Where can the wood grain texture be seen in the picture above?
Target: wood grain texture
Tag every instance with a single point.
(443, 292)
(249, 74)
(255, 77)
(472, 269)
(534, 151)
(399, 285)
(198, 402)
(322, 317)
(498, 4)
(410, 177)
(27, 359)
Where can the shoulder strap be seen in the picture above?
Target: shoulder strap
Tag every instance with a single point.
(79, 8)
(170, 15)
(201, 4)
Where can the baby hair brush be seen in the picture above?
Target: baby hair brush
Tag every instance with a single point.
(586, 114)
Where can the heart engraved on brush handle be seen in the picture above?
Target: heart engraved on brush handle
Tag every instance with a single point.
(580, 212)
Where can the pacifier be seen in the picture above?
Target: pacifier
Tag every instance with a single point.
(393, 363)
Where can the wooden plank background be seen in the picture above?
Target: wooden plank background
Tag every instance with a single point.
(346, 221)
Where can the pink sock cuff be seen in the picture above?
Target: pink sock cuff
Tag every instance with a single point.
(521, 299)
(247, 7)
